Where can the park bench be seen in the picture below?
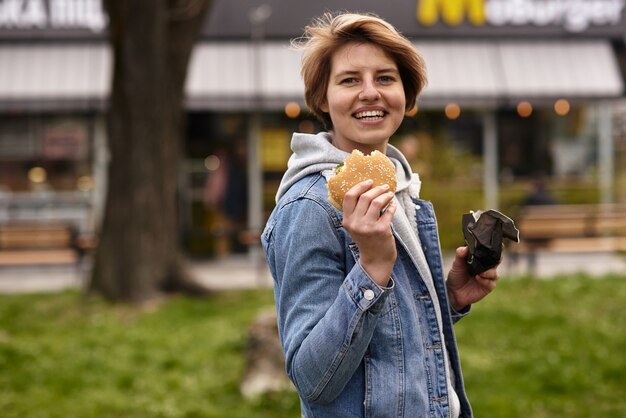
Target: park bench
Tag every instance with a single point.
(40, 243)
(572, 228)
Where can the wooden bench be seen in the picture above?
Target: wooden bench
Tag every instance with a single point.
(584, 228)
(40, 243)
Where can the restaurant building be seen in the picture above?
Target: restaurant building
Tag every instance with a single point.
(527, 86)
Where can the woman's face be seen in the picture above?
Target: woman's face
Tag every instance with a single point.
(365, 98)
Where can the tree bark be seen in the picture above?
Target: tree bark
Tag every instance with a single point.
(138, 256)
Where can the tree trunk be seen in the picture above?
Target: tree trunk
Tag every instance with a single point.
(138, 255)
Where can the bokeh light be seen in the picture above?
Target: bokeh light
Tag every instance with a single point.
(561, 107)
(524, 109)
(292, 110)
(37, 175)
(212, 162)
(84, 183)
(453, 111)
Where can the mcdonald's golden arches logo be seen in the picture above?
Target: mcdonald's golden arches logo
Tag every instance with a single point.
(451, 12)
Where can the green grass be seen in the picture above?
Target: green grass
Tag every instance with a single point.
(533, 349)
(61, 356)
(547, 349)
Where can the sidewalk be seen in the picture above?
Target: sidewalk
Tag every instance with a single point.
(238, 272)
(242, 272)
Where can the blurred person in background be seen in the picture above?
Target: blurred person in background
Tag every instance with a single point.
(538, 193)
(226, 192)
(365, 314)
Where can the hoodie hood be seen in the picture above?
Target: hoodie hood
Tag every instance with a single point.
(316, 154)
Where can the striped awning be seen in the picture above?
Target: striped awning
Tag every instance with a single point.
(233, 75)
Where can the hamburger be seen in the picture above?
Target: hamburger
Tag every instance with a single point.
(358, 167)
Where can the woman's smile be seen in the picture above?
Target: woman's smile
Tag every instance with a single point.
(370, 115)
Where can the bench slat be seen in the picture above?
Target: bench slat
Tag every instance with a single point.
(23, 243)
(36, 257)
(35, 238)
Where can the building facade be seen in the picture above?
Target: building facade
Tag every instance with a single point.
(529, 87)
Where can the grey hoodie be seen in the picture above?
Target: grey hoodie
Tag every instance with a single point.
(316, 154)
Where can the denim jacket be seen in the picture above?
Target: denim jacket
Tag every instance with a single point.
(353, 348)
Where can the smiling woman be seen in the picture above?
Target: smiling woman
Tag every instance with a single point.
(321, 45)
(364, 312)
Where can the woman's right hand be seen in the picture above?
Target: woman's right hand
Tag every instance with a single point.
(370, 228)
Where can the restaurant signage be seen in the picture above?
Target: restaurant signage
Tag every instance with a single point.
(228, 19)
(52, 14)
(572, 15)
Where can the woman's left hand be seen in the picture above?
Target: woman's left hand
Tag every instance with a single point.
(464, 289)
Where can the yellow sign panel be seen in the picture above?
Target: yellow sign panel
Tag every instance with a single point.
(452, 12)
(572, 15)
(275, 149)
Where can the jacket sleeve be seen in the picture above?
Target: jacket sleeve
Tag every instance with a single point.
(326, 316)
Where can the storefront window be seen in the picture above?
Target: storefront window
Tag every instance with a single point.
(548, 144)
(58, 147)
(46, 169)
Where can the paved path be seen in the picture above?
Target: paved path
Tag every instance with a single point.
(250, 272)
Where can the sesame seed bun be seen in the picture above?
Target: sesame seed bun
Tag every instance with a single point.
(356, 168)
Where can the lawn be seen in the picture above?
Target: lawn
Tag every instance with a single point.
(534, 349)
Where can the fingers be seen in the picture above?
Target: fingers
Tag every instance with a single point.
(462, 252)
(459, 264)
(491, 274)
(363, 200)
(351, 198)
(488, 279)
(372, 203)
(389, 211)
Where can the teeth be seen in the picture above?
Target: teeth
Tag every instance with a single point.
(370, 114)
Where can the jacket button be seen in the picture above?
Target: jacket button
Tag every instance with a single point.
(368, 294)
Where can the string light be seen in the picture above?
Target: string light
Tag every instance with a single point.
(292, 110)
(561, 107)
(453, 111)
(524, 109)
(37, 175)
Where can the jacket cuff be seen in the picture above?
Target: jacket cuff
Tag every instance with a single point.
(457, 316)
(368, 295)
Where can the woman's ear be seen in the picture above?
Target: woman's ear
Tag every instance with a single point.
(324, 106)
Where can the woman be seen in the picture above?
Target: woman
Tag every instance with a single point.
(364, 312)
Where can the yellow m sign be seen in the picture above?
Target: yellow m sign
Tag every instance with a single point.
(452, 12)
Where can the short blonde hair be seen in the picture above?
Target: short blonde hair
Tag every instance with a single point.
(329, 32)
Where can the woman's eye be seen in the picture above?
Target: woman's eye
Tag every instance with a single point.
(386, 79)
(349, 80)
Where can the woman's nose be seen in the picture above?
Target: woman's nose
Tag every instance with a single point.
(369, 91)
